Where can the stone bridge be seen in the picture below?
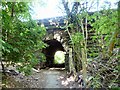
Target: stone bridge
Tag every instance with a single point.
(56, 38)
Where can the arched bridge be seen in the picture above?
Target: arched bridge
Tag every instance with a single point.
(56, 38)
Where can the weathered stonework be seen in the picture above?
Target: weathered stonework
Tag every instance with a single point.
(56, 37)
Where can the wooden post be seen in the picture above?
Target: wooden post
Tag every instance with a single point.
(67, 62)
(71, 63)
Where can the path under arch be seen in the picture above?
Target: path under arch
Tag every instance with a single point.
(53, 46)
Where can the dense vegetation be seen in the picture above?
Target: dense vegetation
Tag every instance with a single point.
(98, 69)
(21, 36)
(98, 63)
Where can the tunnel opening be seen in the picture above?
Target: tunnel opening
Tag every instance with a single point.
(55, 54)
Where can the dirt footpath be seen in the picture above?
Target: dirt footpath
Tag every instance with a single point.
(46, 78)
(50, 78)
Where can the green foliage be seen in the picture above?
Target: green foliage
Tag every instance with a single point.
(77, 38)
(104, 32)
(59, 57)
(21, 36)
(105, 24)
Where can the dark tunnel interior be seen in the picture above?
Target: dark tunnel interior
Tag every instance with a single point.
(53, 46)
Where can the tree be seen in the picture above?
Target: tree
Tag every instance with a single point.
(21, 36)
(104, 27)
(78, 38)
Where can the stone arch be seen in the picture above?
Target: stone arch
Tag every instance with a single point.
(53, 46)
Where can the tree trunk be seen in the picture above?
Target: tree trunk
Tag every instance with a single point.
(3, 68)
(84, 65)
(112, 42)
(116, 34)
(119, 27)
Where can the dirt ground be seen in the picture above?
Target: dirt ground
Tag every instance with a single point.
(45, 78)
